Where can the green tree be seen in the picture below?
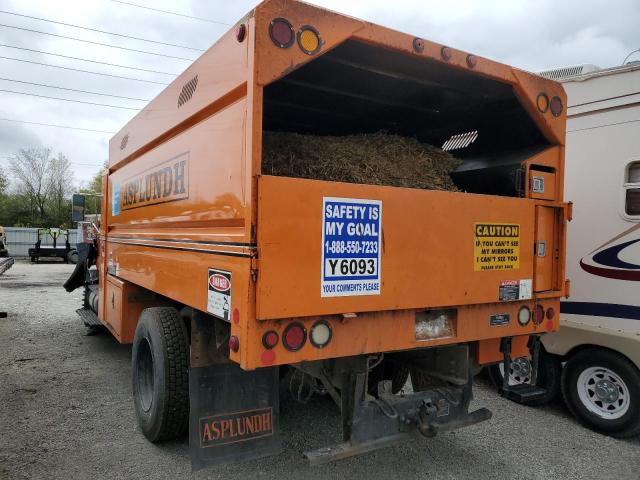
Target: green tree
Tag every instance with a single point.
(94, 188)
(40, 191)
(4, 182)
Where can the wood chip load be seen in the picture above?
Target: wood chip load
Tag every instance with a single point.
(373, 159)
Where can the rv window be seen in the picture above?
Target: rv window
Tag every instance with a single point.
(633, 173)
(632, 187)
(632, 205)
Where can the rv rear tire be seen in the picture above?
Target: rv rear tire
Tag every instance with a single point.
(602, 390)
(160, 358)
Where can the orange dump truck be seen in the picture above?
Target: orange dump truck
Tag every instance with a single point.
(221, 275)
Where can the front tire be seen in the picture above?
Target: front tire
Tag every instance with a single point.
(549, 372)
(160, 358)
(602, 390)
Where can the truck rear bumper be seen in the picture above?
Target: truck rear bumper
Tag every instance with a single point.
(392, 419)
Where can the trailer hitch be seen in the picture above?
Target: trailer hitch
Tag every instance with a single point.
(373, 423)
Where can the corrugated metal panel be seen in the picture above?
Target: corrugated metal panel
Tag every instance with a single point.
(20, 240)
(568, 72)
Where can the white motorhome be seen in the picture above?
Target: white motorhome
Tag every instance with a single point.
(595, 357)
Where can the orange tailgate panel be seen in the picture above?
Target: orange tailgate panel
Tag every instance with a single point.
(427, 255)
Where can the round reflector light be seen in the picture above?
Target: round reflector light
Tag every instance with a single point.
(543, 102)
(550, 313)
(281, 32)
(234, 343)
(538, 314)
(524, 315)
(294, 337)
(270, 339)
(309, 40)
(556, 106)
(472, 61)
(320, 334)
(241, 32)
(418, 45)
(445, 53)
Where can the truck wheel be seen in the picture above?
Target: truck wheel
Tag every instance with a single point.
(549, 373)
(161, 374)
(33, 259)
(602, 390)
(72, 257)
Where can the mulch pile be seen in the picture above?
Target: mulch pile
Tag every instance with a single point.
(373, 159)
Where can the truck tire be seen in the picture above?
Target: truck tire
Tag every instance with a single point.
(72, 257)
(160, 358)
(549, 373)
(602, 390)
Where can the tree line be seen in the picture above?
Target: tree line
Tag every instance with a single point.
(36, 188)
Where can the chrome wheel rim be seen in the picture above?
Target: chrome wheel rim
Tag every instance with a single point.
(520, 371)
(603, 393)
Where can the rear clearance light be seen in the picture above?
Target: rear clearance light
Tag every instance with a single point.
(550, 313)
(241, 32)
(472, 61)
(309, 40)
(281, 32)
(556, 106)
(234, 343)
(294, 337)
(542, 102)
(538, 314)
(435, 324)
(321, 334)
(524, 316)
(270, 339)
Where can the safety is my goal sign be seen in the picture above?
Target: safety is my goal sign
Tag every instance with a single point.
(351, 232)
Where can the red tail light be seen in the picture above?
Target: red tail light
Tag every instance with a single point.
(538, 314)
(270, 339)
(550, 313)
(281, 33)
(294, 337)
(556, 106)
(234, 344)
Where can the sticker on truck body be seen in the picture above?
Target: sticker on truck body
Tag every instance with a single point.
(499, 320)
(162, 183)
(511, 290)
(496, 246)
(219, 293)
(115, 201)
(351, 246)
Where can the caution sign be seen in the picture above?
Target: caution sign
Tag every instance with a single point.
(496, 246)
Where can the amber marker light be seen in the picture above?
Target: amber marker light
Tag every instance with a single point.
(309, 40)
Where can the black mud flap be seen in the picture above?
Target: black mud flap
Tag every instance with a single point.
(234, 414)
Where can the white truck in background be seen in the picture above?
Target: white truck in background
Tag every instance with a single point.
(595, 357)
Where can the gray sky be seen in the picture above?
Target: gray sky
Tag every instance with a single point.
(530, 34)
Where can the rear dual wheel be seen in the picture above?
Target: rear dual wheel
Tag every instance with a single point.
(160, 357)
(549, 371)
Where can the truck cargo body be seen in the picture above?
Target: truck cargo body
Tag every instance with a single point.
(192, 221)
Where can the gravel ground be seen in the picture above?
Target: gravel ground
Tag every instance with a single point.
(67, 412)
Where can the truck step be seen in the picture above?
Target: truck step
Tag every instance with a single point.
(524, 393)
(89, 317)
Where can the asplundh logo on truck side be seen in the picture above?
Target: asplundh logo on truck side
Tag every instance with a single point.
(236, 427)
(163, 183)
